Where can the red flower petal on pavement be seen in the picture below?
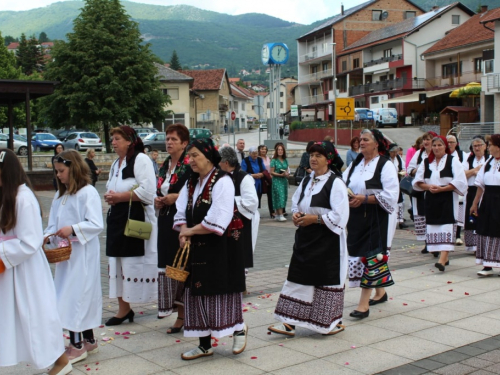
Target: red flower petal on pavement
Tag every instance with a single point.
(422, 300)
(449, 282)
(101, 326)
(269, 333)
(466, 293)
(253, 357)
(177, 340)
(126, 337)
(141, 312)
(391, 298)
(405, 304)
(451, 290)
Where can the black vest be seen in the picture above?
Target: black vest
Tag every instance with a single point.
(447, 171)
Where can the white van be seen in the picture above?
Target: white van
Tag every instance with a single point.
(385, 116)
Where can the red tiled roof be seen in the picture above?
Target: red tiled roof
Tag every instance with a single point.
(206, 79)
(470, 32)
(492, 15)
(233, 80)
(13, 45)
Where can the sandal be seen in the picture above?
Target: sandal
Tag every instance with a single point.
(338, 328)
(175, 329)
(282, 328)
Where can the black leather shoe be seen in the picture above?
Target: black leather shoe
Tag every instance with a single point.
(439, 266)
(436, 254)
(447, 263)
(115, 321)
(424, 250)
(374, 302)
(403, 226)
(359, 314)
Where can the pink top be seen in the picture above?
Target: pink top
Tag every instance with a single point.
(409, 154)
(267, 163)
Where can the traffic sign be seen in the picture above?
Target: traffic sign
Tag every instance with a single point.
(233, 115)
(344, 108)
(294, 110)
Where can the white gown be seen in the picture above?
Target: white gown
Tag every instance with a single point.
(420, 228)
(30, 327)
(78, 280)
(247, 204)
(143, 269)
(461, 199)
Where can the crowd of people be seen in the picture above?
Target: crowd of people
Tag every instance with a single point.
(207, 199)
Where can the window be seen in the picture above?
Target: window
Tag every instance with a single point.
(355, 63)
(388, 52)
(268, 105)
(281, 104)
(325, 47)
(374, 99)
(242, 106)
(488, 66)
(478, 65)
(281, 94)
(410, 14)
(451, 70)
(173, 93)
(376, 15)
(344, 65)
(325, 66)
(455, 20)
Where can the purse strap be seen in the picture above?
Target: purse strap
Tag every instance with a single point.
(130, 205)
(184, 255)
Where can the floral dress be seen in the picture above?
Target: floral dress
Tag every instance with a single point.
(280, 184)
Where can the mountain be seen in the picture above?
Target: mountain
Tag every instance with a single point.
(199, 36)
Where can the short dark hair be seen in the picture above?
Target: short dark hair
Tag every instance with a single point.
(155, 151)
(353, 141)
(180, 129)
(309, 144)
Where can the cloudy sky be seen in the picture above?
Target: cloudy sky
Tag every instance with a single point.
(305, 12)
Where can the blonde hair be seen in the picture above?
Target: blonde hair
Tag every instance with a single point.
(79, 172)
(89, 151)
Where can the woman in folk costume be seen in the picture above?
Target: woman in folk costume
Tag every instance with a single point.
(133, 262)
(246, 200)
(213, 290)
(418, 199)
(30, 327)
(485, 207)
(173, 175)
(313, 294)
(400, 168)
(374, 186)
(462, 156)
(476, 160)
(76, 213)
(440, 176)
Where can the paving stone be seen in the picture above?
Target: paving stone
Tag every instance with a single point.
(493, 356)
(409, 369)
(449, 357)
(455, 369)
(490, 344)
(449, 335)
(477, 362)
(428, 364)
(470, 350)
(494, 368)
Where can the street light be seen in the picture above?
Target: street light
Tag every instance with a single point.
(334, 84)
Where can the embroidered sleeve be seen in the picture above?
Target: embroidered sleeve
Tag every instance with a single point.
(336, 219)
(388, 196)
(221, 211)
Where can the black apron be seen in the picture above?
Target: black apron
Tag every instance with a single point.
(488, 215)
(471, 194)
(316, 252)
(368, 224)
(439, 207)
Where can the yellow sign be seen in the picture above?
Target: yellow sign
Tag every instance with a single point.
(344, 108)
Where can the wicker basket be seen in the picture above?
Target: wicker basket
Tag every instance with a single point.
(177, 270)
(59, 254)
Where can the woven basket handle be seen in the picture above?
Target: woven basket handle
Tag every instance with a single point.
(47, 238)
(184, 255)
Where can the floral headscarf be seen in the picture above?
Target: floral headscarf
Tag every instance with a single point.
(325, 148)
(207, 148)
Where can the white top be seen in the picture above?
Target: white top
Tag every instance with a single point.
(387, 197)
(335, 218)
(475, 163)
(413, 162)
(78, 281)
(221, 211)
(492, 177)
(30, 327)
(248, 205)
(396, 163)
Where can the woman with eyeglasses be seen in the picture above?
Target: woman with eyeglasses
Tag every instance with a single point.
(133, 272)
(279, 171)
(475, 161)
(485, 209)
(262, 151)
(30, 326)
(76, 216)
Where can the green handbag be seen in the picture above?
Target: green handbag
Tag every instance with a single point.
(136, 228)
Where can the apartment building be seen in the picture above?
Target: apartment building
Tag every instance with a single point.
(287, 97)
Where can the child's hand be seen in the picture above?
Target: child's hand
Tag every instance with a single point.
(65, 231)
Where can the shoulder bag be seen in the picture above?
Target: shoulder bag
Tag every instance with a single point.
(136, 228)
(406, 185)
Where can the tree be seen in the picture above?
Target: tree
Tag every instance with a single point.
(175, 64)
(29, 55)
(9, 39)
(106, 75)
(42, 38)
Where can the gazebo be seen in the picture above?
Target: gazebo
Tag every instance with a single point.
(17, 91)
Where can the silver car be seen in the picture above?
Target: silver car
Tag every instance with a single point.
(82, 141)
(20, 147)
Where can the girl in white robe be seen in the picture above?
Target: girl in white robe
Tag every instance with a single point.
(77, 212)
(30, 327)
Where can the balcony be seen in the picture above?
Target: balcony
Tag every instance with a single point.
(313, 99)
(493, 82)
(453, 80)
(391, 84)
(314, 55)
(223, 107)
(315, 77)
(382, 60)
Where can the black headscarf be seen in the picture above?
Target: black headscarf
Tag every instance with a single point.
(136, 146)
(207, 148)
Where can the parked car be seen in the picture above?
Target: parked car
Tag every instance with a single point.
(155, 141)
(199, 133)
(385, 116)
(143, 135)
(363, 114)
(263, 126)
(65, 133)
(44, 141)
(140, 129)
(83, 141)
(20, 147)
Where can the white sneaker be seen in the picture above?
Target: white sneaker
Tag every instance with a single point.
(282, 218)
(459, 242)
(485, 273)
(240, 342)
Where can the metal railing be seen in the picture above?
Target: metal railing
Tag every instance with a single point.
(493, 81)
(382, 60)
(313, 99)
(391, 84)
(465, 132)
(462, 79)
(313, 55)
(315, 77)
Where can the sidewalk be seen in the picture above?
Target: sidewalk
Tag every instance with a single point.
(434, 322)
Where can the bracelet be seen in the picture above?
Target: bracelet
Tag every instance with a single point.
(366, 199)
(319, 219)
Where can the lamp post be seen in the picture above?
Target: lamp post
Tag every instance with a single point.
(334, 85)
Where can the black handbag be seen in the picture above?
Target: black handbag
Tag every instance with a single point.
(406, 186)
